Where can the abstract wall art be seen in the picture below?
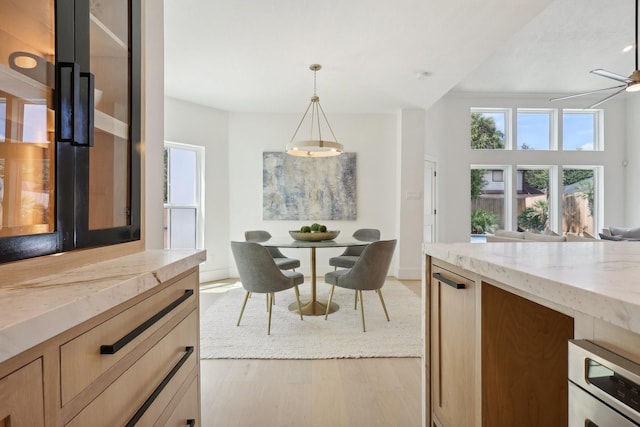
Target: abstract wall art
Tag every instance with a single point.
(301, 188)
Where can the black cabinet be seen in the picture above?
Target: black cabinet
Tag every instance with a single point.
(69, 125)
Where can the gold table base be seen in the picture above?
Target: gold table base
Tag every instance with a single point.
(314, 308)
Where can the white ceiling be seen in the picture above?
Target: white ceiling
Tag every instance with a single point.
(253, 55)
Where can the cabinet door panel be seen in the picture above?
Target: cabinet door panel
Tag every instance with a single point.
(27, 138)
(453, 349)
(524, 361)
(21, 397)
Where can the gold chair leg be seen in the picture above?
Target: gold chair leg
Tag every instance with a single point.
(267, 300)
(359, 292)
(326, 313)
(383, 305)
(270, 298)
(355, 303)
(246, 296)
(298, 300)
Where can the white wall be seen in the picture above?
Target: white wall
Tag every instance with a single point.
(371, 136)
(410, 193)
(193, 124)
(448, 141)
(632, 169)
(152, 119)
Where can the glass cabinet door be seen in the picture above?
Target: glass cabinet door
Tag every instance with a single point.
(69, 125)
(112, 213)
(27, 118)
(109, 158)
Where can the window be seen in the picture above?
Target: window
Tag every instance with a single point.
(34, 123)
(490, 128)
(535, 130)
(550, 195)
(579, 200)
(580, 130)
(3, 119)
(183, 211)
(533, 201)
(488, 199)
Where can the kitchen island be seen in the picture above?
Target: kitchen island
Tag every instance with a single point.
(498, 316)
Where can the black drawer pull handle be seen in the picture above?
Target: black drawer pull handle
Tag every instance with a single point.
(191, 422)
(113, 348)
(161, 386)
(449, 282)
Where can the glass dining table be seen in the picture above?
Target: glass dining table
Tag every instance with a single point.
(313, 307)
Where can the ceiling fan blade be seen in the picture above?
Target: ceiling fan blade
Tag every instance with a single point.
(607, 98)
(587, 93)
(610, 75)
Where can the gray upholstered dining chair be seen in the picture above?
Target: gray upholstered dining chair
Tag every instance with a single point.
(260, 274)
(282, 261)
(368, 273)
(351, 254)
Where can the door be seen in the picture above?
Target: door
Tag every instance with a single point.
(429, 201)
(183, 196)
(107, 179)
(27, 139)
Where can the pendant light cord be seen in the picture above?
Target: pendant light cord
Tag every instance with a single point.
(316, 109)
(315, 71)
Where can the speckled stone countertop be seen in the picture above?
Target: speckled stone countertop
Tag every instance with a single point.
(600, 279)
(35, 310)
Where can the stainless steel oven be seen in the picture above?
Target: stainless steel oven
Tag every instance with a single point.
(604, 387)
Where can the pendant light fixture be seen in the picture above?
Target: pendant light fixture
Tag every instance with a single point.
(315, 146)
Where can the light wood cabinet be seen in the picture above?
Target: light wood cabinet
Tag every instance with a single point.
(135, 364)
(165, 367)
(524, 361)
(453, 348)
(81, 361)
(21, 397)
(496, 358)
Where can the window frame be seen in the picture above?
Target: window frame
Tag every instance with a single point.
(598, 196)
(198, 204)
(508, 126)
(508, 200)
(553, 127)
(598, 128)
(554, 207)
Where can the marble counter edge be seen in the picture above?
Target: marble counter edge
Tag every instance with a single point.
(40, 309)
(620, 312)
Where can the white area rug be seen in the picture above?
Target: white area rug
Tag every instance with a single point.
(340, 336)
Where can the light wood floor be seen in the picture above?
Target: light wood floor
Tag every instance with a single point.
(317, 393)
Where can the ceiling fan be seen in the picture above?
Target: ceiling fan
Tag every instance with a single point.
(629, 84)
